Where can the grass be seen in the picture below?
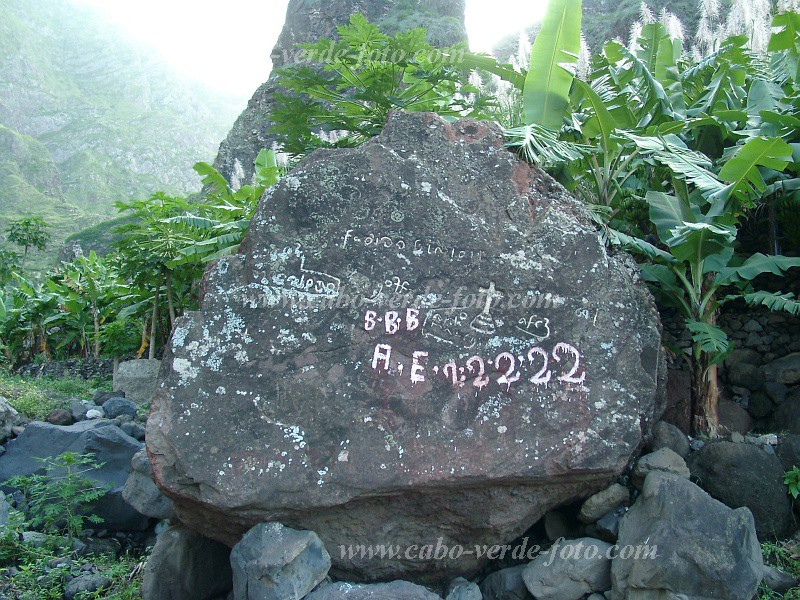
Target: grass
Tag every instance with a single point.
(36, 398)
(784, 556)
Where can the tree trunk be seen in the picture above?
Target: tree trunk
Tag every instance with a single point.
(154, 323)
(96, 318)
(170, 302)
(705, 391)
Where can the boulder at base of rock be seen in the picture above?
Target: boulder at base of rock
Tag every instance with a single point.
(570, 570)
(787, 416)
(137, 378)
(733, 418)
(666, 435)
(602, 502)
(186, 566)
(141, 492)
(273, 562)
(789, 451)
(518, 372)
(112, 449)
(745, 475)
(394, 590)
(116, 406)
(86, 583)
(681, 543)
(664, 460)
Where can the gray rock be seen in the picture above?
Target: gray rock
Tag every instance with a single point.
(112, 448)
(747, 376)
(666, 435)
(505, 584)
(135, 430)
(35, 538)
(686, 545)
(86, 582)
(787, 416)
(141, 492)
(737, 438)
(394, 590)
(570, 570)
(779, 581)
(745, 475)
(733, 418)
(760, 405)
(742, 356)
(116, 407)
(602, 502)
(789, 451)
(186, 566)
(273, 562)
(461, 589)
(664, 460)
(137, 378)
(784, 370)
(79, 408)
(559, 524)
(9, 418)
(596, 597)
(776, 392)
(349, 464)
(95, 413)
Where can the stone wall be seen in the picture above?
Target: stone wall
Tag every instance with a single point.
(85, 369)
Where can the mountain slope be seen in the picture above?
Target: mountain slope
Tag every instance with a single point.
(107, 119)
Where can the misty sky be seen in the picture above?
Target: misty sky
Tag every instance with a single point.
(227, 44)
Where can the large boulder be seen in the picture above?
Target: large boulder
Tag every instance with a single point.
(137, 378)
(113, 451)
(273, 562)
(393, 590)
(570, 571)
(745, 475)
(787, 416)
(784, 370)
(517, 370)
(678, 543)
(186, 566)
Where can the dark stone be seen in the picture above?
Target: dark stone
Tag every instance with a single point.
(59, 417)
(107, 442)
(100, 397)
(86, 582)
(666, 435)
(679, 400)
(702, 548)
(79, 408)
(733, 418)
(779, 581)
(275, 405)
(784, 370)
(789, 451)
(273, 562)
(135, 430)
(747, 376)
(394, 590)
(760, 406)
(186, 566)
(608, 525)
(505, 584)
(776, 391)
(744, 475)
(116, 407)
(587, 569)
(443, 20)
(742, 356)
(560, 524)
(787, 416)
(138, 379)
(83, 369)
(141, 492)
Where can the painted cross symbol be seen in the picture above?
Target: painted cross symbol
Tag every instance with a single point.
(491, 295)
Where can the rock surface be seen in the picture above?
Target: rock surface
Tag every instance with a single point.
(505, 584)
(664, 460)
(666, 435)
(298, 394)
(141, 492)
(273, 562)
(9, 417)
(784, 370)
(394, 590)
(585, 569)
(745, 475)
(443, 20)
(703, 549)
(137, 378)
(602, 502)
(107, 442)
(186, 566)
(461, 589)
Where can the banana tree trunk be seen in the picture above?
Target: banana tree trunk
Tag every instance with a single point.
(154, 323)
(705, 390)
(96, 318)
